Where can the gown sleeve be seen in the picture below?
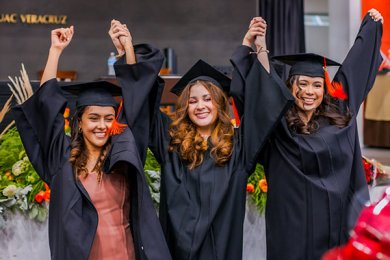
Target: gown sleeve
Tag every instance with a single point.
(358, 71)
(159, 136)
(141, 88)
(242, 63)
(265, 101)
(40, 123)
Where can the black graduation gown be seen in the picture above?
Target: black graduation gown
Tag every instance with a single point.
(72, 217)
(312, 178)
(202, 210)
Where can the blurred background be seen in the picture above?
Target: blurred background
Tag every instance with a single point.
(187, 31)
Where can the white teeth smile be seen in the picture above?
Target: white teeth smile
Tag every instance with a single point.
(202, 115)
(100, 134)
(308, 100)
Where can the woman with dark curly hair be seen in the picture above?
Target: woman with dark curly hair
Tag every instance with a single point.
(312, 160)
(100, 205)
(205, 161)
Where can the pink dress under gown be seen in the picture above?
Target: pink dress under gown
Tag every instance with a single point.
(111, 198)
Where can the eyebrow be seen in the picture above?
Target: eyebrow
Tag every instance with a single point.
(205, 95)
(96, 114)
(306, 81)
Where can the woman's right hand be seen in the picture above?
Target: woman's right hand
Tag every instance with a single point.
(257, 30)
(120, 36)
(61, 37)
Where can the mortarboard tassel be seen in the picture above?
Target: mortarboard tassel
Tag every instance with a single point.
(235, 112)
(116, 127)
(335, 89)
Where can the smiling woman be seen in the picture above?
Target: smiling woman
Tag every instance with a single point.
(100, 204)
(308, 93)
(202, 110)
(312, 160)
(205, 161)
(95, 123)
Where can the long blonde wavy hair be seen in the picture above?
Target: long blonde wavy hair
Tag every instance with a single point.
(186, 140)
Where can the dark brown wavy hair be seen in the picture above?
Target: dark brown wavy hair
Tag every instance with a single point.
(185, 138)
(79, 154)
(329, 108)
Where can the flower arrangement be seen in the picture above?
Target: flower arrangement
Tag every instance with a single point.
(375, 172)
(20, 185)
(257, 188)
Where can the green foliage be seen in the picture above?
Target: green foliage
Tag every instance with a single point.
(151, 163)
(10, 148)
(153, 177)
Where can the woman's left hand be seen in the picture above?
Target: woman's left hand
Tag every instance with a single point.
(257, 29)
(376, 15)
(120, 36)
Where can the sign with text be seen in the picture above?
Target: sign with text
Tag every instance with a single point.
(14, 18)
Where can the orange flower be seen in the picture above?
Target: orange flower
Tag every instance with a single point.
(66, 124)
(250, 188)
(46, 195)
(66, 113)
(40, 196)
(263, 185)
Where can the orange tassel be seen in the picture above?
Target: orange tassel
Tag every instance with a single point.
(235, 112)
(335, 89)
(116, 127)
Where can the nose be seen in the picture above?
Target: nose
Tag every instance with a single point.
(309, 90)
(200, 105)
(102, 124)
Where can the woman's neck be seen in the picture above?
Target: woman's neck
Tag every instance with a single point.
(93, 157)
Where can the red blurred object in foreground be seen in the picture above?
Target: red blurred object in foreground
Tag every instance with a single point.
(370, 238)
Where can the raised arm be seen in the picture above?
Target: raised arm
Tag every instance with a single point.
(141, 86)
(60, 39)
(255, 36)
(122, 40)
(40, 120)
(358, 71)
(264, 96)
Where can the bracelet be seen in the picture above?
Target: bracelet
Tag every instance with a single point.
(262, 49)
(120, 55)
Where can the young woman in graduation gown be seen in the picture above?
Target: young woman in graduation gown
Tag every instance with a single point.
(205, 162)
(100, 204)
(313, 160)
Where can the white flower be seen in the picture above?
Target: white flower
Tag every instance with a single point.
(25, 190)
(19, 167)
(10, 191)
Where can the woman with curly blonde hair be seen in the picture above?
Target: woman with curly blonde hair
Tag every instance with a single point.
(189, 142)
(205, 161)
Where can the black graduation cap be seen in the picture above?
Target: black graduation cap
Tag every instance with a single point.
(202, 71)
(314, 65)
(308, 64)
(94, 93)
